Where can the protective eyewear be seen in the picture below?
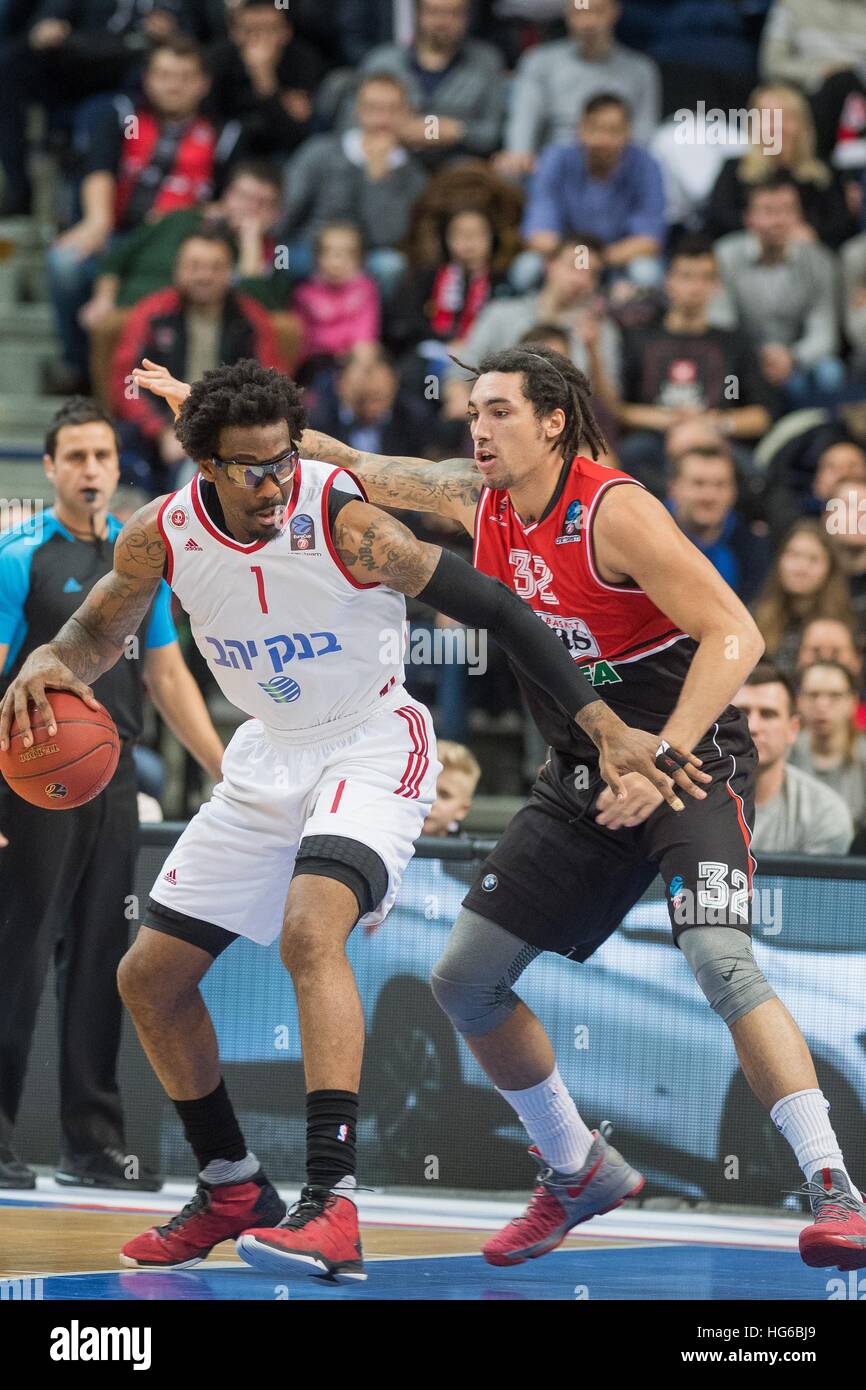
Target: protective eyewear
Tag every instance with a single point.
(281, 469)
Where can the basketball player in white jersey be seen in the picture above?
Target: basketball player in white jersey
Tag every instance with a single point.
(292, 582)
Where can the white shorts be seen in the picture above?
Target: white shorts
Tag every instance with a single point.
(233, 864)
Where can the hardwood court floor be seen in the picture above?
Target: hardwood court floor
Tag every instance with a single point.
(58, 1240)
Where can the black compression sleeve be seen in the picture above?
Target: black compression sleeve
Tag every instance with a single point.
(460, 592)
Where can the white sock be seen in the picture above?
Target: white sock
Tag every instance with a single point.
(223, 1170)
(550, 1118)
(803, 1120)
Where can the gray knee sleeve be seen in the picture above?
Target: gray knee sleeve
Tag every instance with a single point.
(473, 980)
(723, 964)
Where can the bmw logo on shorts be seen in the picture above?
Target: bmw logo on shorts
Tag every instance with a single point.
(489, 882)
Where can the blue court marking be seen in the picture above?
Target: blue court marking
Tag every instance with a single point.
(704, 1272)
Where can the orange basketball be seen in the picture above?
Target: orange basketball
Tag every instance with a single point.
(70, 768)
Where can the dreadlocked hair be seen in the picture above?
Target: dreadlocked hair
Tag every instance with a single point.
(243, 394)
(551, 382)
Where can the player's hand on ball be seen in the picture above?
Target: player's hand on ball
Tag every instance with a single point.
(159, 380)
(623, 749)
(641, 799)
(41, 671)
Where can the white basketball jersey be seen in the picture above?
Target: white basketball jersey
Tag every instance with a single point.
(291, 638)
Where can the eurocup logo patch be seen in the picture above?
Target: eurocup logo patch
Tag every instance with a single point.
(178, 518)
(572, 523)
(56, 791)
(302, 532)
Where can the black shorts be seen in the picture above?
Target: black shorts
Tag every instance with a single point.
(562, 883)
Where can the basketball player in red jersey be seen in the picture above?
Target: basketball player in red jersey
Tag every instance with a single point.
(655, 627)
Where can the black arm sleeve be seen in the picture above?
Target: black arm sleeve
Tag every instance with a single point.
(460, 592)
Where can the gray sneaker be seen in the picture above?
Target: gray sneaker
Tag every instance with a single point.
(837, 1235)
(561, 1201)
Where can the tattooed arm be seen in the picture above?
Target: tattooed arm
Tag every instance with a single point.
(93, 639)
(374, 546)
(451, 488)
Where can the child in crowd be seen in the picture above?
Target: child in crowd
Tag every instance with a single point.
(338, 305)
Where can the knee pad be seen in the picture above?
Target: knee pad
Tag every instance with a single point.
(472, 982)
(724, 966)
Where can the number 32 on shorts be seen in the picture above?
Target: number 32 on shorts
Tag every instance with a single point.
(716, 893)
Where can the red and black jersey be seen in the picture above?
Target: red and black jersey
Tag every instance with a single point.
(632, 653)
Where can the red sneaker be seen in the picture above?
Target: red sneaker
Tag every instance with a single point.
(319, 1236)
(214, 1214)
(837, 1235)
(562, 1201)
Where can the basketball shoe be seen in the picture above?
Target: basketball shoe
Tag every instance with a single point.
(837, 1235)
(319, 1236)
(564, 1200)
(216, 1213)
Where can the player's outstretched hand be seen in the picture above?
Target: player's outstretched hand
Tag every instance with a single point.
(623, 749)
(40, 671)
(159, 380)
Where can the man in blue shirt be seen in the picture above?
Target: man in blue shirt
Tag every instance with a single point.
(65, 878)
(702, 495)
(605, 185)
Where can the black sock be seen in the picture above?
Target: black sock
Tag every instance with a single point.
(211, 1127)
(332, 1118)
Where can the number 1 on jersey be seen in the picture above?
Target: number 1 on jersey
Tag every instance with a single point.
(260, 581)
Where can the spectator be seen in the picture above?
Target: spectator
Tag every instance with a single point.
(455, 84)
(437, 307)
(830, 639)
(339, 305)
(455, 788)
(144, 261)
(368, 409)
(554, 82)
(827, 639)
(364, 174)
(546, 335)
(783, 141)
(845, 522)
(72, 50)
(702, 496)
(568, 298)
(807, 490)
(139, 163)
(781, 292)
(806, 582)
(829, 745)
(683, 367)
(264, 78)
(191, 328)
(605, 185)
(794, 812)
(822, 48)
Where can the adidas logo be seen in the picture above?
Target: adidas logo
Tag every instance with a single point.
(192, 545)
(171, 876)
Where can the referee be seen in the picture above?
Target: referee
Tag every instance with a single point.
(64, 876)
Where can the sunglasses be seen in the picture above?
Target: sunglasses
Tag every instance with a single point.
(281, 469)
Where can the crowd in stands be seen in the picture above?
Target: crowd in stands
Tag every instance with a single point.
(358, 193)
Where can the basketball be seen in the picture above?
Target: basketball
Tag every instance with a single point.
(72, 766)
